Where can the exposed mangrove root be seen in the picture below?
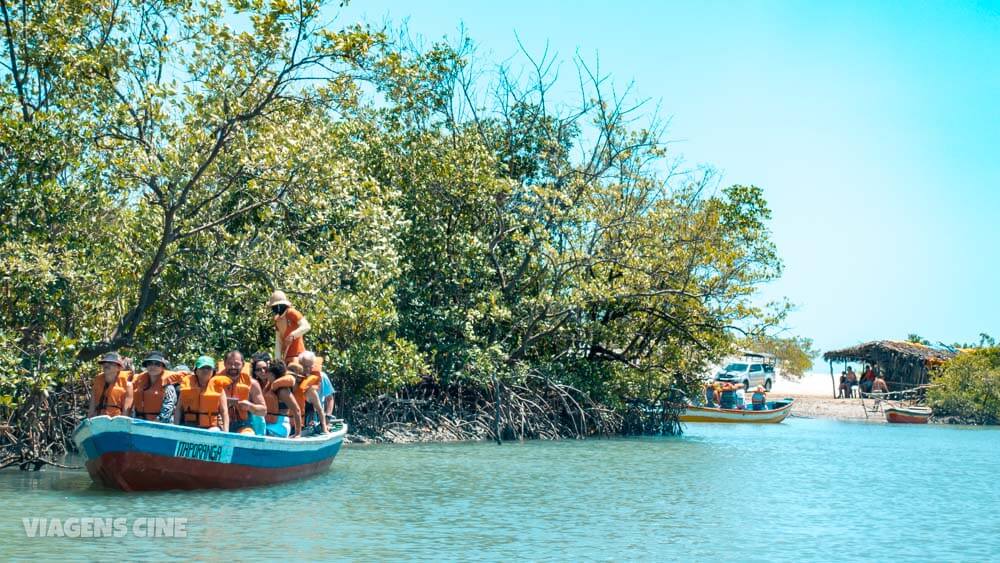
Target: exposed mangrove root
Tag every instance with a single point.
(535, 408)
(39, 429)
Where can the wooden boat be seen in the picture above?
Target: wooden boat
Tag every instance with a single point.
(907, 415)
(140, 455)
(775, 412)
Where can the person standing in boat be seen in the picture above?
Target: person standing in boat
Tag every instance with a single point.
(111, 390)
(243, 394)
(154, 391)
(289, 328)
(203, 398)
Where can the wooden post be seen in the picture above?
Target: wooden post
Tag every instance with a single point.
(496, 418)
(832, 382)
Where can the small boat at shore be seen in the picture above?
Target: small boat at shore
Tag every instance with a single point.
(139, 455)
(907, 415)
(775, 412)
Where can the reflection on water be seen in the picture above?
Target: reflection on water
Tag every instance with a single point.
(802, 490)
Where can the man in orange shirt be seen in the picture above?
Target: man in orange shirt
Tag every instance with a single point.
(289, 327)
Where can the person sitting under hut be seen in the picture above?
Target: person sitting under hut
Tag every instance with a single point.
(289, 328)
(852, 381)
(111, 390)
(867, 379)
(844, 388)
(879, 385)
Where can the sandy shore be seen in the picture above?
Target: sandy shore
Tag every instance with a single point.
(813, 395)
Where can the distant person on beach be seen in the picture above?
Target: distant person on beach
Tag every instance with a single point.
(867, 379)
(844, 388)
(289, 327)
(852, 381)
(879, 385)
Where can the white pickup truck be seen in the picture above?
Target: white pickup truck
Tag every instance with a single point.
(752, 371)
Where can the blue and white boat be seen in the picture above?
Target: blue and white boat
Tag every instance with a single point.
(140, 455)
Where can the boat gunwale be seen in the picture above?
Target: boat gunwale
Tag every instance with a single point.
(136, 427)
(701, 408)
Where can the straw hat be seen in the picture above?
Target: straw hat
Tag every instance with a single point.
(278, 298)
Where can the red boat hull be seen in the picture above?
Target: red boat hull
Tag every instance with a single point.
(138, 471)
(904, 417)
(140, 455)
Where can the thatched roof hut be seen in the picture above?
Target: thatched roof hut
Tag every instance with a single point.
(903, 364)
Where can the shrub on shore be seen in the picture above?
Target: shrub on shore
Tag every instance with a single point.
(968, 387)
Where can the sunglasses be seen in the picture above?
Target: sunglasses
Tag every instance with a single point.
(147, 364)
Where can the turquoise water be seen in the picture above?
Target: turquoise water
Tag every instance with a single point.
(804, 490)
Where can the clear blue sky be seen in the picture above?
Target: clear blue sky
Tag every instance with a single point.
(873, 127)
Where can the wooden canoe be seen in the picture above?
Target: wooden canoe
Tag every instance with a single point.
(775, 412)
(139, 455)
(907, 415)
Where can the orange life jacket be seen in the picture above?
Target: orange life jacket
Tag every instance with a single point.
(300, 393)
(200, 407)
(147, 399)
(239, 390)
(275, 406)
(111, 399)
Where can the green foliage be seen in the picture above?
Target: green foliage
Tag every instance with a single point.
(968, 387)
(165, 168)
(795, 355)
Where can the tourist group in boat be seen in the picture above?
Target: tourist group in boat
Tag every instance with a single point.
(284, 395)
(727, 395)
